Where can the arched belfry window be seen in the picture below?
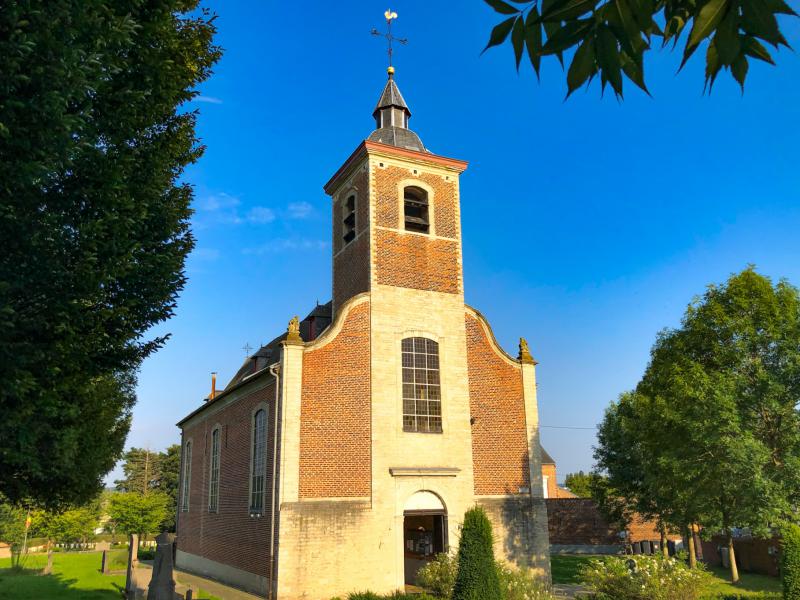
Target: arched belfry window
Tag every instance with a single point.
(349, 219)
(415, 209)
(259, 462)
(422, 396)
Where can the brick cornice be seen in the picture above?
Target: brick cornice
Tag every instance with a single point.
(366, 148)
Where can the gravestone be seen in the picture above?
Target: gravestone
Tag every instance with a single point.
(133, 561)
(162, 585)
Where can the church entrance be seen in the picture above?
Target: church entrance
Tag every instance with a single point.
(424, 532)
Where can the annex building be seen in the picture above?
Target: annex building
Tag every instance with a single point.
(344, 454)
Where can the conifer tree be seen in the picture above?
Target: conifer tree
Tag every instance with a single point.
(477, 577)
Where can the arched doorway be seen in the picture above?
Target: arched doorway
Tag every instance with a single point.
(424, 532)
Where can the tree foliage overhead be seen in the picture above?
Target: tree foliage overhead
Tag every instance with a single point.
(610, 38)
(94, 223)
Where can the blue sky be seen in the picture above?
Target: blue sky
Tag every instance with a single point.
(588, 225)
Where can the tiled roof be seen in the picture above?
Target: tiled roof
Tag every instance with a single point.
(391, 96)
(397, 136)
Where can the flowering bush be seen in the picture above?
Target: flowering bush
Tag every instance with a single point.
(643, 578)
(521, 584)
(439, 576)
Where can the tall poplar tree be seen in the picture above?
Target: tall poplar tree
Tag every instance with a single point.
(94, 136)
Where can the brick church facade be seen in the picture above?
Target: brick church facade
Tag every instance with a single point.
(343, 454)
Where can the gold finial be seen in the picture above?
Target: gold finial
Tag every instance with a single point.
(525, 356)
(293, 330)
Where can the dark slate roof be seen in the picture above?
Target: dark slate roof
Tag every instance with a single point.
(319, 319)
(391, 96)
(546, 458)
(397, 136)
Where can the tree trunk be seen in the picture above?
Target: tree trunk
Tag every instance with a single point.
(664, 548)
(48, 569)
(732, 559)
(692, 550)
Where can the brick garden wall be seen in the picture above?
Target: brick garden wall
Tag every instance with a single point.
(499, 438)
(230, 536)
(577, 521)
(335, 424)
(752, 554)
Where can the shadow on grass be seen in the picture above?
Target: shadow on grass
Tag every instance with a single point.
(29, 584)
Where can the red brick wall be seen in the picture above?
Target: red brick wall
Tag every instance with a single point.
(499, 437)
(445, 199)
(351, 271)
(230, 536)
(577, 521)
(335, 422)
(418, 262)
(351, 274)
(752, 554)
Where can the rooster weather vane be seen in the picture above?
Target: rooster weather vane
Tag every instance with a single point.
(390, 16)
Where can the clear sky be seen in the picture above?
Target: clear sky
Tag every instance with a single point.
(588, 225)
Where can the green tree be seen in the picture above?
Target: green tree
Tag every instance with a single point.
(611, 38)
(476, 578)
(94, 136)
(145, 470)
(715, 419)
(70, 526)
(580, 483)
(790, 562)
(12, 528)
(137, 513)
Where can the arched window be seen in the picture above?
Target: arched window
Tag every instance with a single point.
(259, 461)
(349, 219)
(187, 476)
(415, 203)
(422, 397)
(213, 480)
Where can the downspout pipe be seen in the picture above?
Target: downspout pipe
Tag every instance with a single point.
(275, 371)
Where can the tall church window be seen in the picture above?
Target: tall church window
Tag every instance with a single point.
(213, 485)
(422, 397)
(187, 476)
(349, 219)
(259, 462)
(415, 202)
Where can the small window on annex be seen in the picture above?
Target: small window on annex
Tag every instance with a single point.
(259, 462)
(213, 480)
(422, 397)
(415, 202)
(349, 219)
(187, 476)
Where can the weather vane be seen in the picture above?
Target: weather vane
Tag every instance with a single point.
(390, 16)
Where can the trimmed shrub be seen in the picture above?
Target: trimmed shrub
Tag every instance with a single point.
(643, 578)
(439, 575)
(476, 578)
(790, 562)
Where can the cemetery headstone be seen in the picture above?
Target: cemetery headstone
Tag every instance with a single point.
(162, 585)
(133, 560)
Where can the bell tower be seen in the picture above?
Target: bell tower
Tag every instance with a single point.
(396, 217)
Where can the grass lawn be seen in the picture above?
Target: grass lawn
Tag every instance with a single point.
(566, 569)
(75, 577)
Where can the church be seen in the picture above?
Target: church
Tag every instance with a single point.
(343, 455)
